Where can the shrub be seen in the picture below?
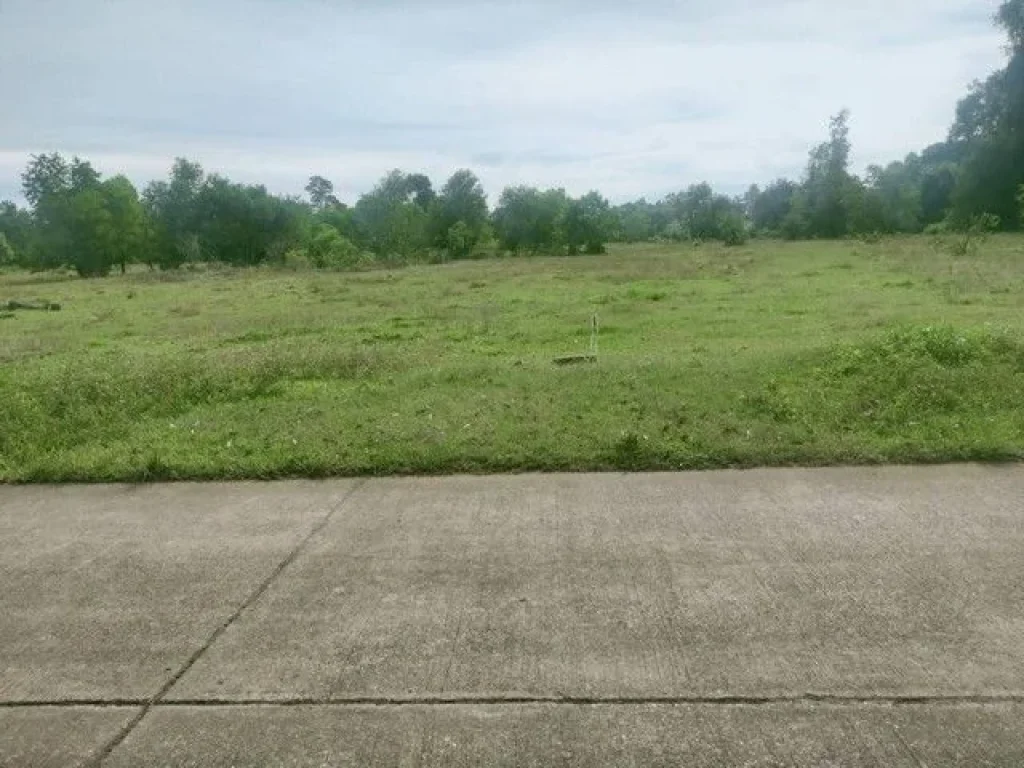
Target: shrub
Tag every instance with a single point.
(296, 259)
(460, 240)
(677, 231)
(794, 226)
(6, 251)
(732, 230)
(961, 238)
(329, 249)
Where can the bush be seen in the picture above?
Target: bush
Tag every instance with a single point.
(7, 256)
(460, 240)
(732, 230)
(961, 238)
(794, 226)
(329, 249)
(677, 231)
(296, 259)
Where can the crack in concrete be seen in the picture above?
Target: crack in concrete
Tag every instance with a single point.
(906, 747)
(148, 704)
(407, 701)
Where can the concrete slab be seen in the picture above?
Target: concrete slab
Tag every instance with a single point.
(57, 737)
(804, 736)
(866, 582)
(108, 590)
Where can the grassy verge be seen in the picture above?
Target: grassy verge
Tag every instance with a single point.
(828, 353)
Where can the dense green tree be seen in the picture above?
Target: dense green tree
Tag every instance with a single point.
(321, 193)
(989, 127)
(104, 225)
(328, 248)
(770, 207)
(46, 184)
(17, 227)
(83, 176)
(7, 255)
(244, 224)
(1010, 17)
(92, 232)
(172, 207)
(462, 200)
(827, 185)
(896, 190)
(127, 220)
(937, 188)
(979, 113)
(460, 240)
(701, 214)
(797, 223)
(421, 190)
(341, 218)
(633, 222)
(48, 176)
(989, 179)
(531, 220)
(393, 219)
(588, 222)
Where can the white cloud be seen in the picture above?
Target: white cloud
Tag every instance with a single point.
(633, 99)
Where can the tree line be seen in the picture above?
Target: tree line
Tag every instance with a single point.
(76, 219)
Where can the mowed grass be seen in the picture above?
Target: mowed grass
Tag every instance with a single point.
(770, 354)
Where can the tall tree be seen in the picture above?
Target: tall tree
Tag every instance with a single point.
(83, 175)
(462, 200)
(770, 207)
(46, 184)
(128, 220)
(172, 208)
(47, 176)
(827, 186)
(321, 193)
(531, 220)
(990, 126)
(700, 214)
(393, 219)
(107, 227)
(633, 222)
(1010, 17)
(420, 190)
(588, 223)
(244, 224)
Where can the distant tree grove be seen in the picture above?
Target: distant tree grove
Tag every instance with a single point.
(76, 219)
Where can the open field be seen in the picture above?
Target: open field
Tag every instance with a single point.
(769, 354)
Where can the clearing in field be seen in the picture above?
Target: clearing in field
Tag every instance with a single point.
(769, 354)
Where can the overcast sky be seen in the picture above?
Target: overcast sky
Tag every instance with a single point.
(632, 98)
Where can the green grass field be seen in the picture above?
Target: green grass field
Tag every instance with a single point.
(769, 354)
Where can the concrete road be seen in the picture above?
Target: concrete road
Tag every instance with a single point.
(846, 617)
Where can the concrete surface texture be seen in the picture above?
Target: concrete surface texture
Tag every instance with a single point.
(837, 617)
